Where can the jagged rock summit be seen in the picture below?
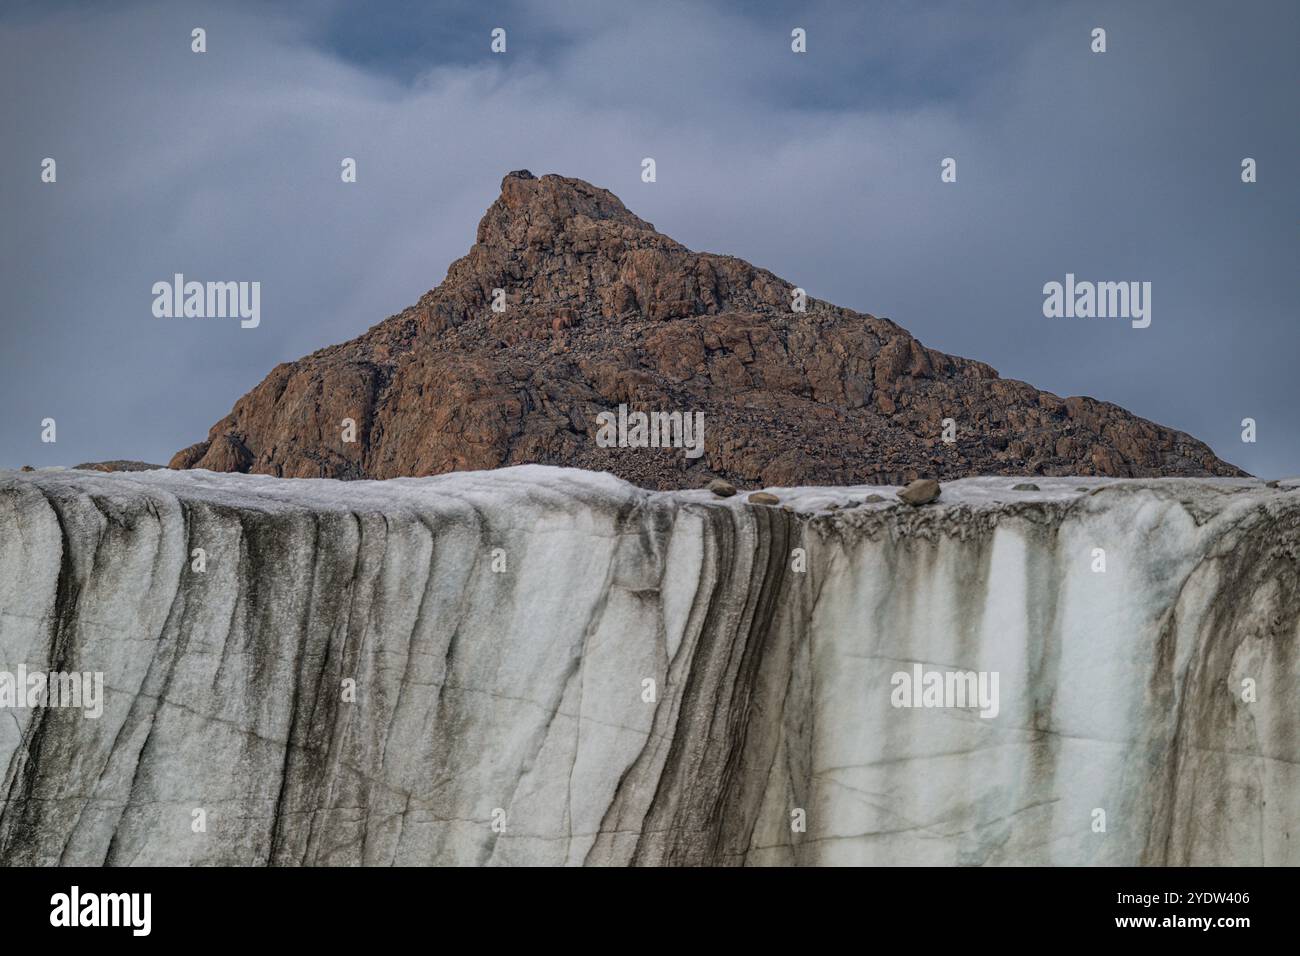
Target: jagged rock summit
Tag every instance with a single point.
(601, 310)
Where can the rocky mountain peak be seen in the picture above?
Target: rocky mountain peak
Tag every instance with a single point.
(569, 308)
(539, 212)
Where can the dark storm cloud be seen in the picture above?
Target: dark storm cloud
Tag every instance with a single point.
(823, 168)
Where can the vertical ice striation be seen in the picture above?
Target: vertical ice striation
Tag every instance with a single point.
(503, 630)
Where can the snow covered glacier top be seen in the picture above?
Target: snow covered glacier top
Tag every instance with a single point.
(522, 481)
(542, 665)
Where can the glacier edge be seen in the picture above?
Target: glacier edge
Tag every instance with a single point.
(500, 628)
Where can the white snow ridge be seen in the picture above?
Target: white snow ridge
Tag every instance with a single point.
(546, 666)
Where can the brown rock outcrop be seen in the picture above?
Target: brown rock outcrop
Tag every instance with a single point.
(602, 310)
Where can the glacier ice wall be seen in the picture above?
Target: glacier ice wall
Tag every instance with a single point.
(457, 670)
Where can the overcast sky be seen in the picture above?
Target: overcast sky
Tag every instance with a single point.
(822, 167)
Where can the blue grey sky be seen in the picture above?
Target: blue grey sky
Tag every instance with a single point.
(822, 167)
